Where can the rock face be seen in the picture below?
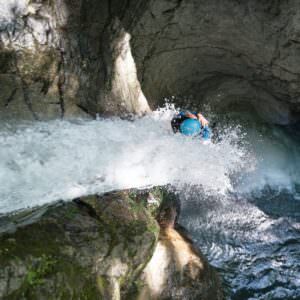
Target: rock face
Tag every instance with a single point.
(92, 248)
(97, 247)
(177, 270)
(221, 53)
(61, 55)
(63, 58)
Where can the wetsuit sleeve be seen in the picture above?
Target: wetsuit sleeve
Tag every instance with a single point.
(206, 133)
(183, 113)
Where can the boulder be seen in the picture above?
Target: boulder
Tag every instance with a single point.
(90, 248)
(177, 269)
(119, 245)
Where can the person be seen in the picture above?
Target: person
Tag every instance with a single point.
(191, 124)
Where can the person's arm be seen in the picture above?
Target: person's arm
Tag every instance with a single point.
(190, 115)
(203, 121)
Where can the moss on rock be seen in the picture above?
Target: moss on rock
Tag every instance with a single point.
(77, 250)
(103, 247)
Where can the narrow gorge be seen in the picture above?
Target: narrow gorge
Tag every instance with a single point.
(99, 199)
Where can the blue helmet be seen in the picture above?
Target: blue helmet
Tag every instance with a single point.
(190, 127)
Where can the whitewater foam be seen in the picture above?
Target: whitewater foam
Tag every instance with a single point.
(42, 162)
(46, 161)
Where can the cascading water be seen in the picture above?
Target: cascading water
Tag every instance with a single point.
(240, 194)
(44, 162)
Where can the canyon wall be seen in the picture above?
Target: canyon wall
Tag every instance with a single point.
(98, 247)
(63, 58)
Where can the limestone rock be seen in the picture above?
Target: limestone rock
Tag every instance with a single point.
(123, 91)
(179, 47)
(103, 247)
(92, 248)
(177, 269)
(190, 48)
(62, 57)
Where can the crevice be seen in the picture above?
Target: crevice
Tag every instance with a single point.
(151, 51)
(27, 100)
(45, 87)
(60, 84)
(89, 209)
(10, 98)
(25, 92)
(86, 110)
(173, 9)
(286, 70)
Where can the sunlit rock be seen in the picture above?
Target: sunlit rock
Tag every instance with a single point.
(177, 270)
(123, 91)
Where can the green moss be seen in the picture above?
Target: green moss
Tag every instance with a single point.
(36, 273)
(71, 212)
(102, 285)
(154, 228)
(135, 289)
(36, 239)
(71, 281)
(122, 220)
(136, 207)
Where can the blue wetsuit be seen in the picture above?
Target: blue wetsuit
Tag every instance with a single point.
(179, 118)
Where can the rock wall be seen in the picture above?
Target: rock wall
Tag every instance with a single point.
(98, 247)
(177, 269)
(221, 53)
(64, 58)
(92, 248)
(61, 57)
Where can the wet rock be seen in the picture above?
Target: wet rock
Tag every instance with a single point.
(177, 269)
(103, 247)
(91, 248)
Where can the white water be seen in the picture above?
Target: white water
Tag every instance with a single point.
(277, 155)
(43, 162)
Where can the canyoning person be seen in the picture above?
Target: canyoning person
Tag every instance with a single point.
(191, 124)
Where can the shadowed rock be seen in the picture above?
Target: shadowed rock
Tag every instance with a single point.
(91, 248)
(96, 247)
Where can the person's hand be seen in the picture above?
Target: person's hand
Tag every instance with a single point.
(203, 121)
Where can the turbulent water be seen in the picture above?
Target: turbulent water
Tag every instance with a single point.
(240, 194)
(43, 162)
(252, 234)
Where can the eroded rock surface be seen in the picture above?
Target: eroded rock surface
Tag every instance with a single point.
(222, 52)
(65, 58)
(98, 247)
(92, 248)
(177, 269)
(59, 56)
